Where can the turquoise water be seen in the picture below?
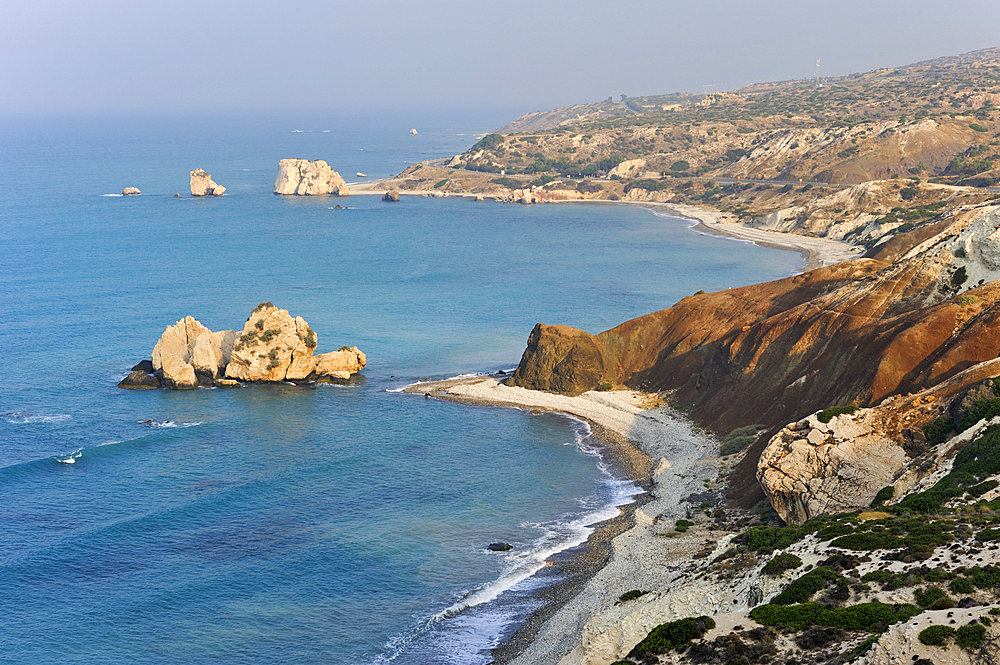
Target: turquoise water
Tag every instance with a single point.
(301, 524)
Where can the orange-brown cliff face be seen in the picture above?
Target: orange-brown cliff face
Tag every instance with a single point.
(856, 332)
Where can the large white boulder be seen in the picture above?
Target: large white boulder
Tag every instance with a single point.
(305, 178)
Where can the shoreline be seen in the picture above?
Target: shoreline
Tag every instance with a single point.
(815, 252)
(653, 446)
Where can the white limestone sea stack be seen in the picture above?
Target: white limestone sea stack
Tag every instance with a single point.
(203, 185)
(272, 347)
(305, 178)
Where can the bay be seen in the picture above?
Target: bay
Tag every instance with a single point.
(293, 523)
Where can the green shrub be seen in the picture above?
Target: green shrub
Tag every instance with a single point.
(970, 636)
(967, 300)
(669, 636)
(870, 617)
(931, 595)
(959, 277)
(781, 563)
(937, 430)
(631, 595)
(488, 142)
(979, 460)
(509, 183)
(802, 589)
(680, 166)
(827, 415)
(683, 525)
(936, 636)
(961, 585)
(605, 386)
(441, 183)
(976, 127)
(766, 539)
(739, 439)
(884, 494)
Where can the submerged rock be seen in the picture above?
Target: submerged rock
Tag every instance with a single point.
(305, 178)
(203, 185)
(499, 547)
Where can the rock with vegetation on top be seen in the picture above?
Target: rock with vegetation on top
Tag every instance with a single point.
(273, 347)
(203, 185)
(392, 196)
(131, 191)
(305, 178)
(189, 354)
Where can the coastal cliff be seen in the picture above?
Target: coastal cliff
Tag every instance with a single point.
(914, 312)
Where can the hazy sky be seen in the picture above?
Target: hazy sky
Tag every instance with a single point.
(71, 56)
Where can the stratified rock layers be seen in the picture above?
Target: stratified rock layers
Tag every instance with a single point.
(305, 178)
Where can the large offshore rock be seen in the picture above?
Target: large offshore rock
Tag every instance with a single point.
(305, 178)
(189, 354)
(273, 347)
(131, 191)
(203, 185)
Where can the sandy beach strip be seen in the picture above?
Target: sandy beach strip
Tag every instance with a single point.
(660, 449)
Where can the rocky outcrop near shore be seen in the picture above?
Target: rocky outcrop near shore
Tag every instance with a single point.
(131, 191)
(305, 178)
(203, 185)
(272, 347)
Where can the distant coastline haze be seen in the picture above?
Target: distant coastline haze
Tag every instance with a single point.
(110, 56)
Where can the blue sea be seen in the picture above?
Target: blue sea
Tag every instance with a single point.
(281, 523)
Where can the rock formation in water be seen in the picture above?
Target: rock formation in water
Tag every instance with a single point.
(203, 185)
(391, 196)
(271, 347)
(305, 178)
(131, 191)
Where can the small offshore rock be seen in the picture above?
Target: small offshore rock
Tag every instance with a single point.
(479, 197)
(131, 191)
(177, 196)
(499, 547)
(144, 366)
(203, 185)
(392, 196)
(139, 380)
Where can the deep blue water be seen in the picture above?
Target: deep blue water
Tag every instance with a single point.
(292, 523)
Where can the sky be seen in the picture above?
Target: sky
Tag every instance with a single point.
(157, 56)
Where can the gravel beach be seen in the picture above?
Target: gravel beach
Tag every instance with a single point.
(655, 446)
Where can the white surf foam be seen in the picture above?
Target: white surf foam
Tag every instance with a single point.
(112, 195)
(33, 419)
(71, 458)
(168, 424)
